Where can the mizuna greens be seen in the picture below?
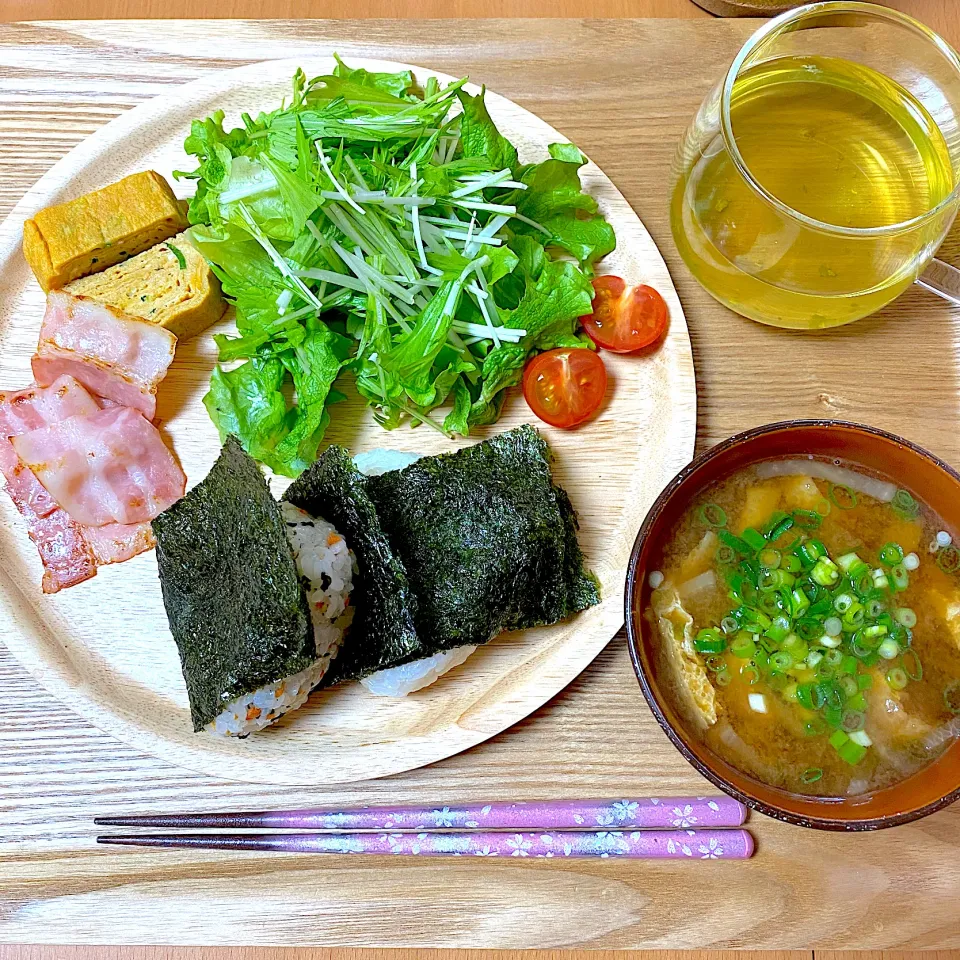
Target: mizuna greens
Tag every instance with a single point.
(371, 226)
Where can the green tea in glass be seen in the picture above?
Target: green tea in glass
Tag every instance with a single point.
(821, 174)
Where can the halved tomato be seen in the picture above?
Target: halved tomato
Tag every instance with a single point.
(624, 318)
(564, 387)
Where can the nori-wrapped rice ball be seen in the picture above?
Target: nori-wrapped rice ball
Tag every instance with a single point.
(383, 632)
(236, 600)
(488, 541)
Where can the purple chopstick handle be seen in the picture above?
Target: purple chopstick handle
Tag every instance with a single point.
(558, 844)
(648, 814)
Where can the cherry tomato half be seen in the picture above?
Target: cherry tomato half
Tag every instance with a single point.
(624, 318)
(564, 387)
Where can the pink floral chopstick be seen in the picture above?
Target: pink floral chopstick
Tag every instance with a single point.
(667, 813)
(604, 844)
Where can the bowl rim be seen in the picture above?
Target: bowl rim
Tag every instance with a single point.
(633, 640)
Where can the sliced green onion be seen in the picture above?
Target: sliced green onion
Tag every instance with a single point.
(842, 496)
(778, 629)
(897, 678)
(838, 739)
(847, 562)
(781, 660)
(825, 572)
(807, 519)
(857, 702)
(735, 543)
(729, 625)
(779, 528)
(854, 615)
(769, 558)
(796, 647)
(852, 720)
(712, 515)
(743, 647)
(900, 576)
(807, 629)
(750, 673)
(805, 695)
(861, 737)
(833, 657)
(755, 539)
(852, 752)
(891, 554)
(948, 559)
(864, 588)
(864, 681)
(904, 505)
(709, 641)
(814, 657)
(843, 602)
(832, 626)
(823, 506)
(723, 678)
(725, 554)
(874, 608)
(791, 563)
(811, 551)
(811, 775)
(906, 616)
(912, 665)
(889, 649)
(849, 667)
(874, 631)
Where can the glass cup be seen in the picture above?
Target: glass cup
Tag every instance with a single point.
(822, 172)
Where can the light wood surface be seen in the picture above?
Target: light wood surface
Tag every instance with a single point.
(598, 84)
(939, 14)
(745, 8)
(110, 657)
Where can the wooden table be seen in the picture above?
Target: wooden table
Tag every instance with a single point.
(624, 91)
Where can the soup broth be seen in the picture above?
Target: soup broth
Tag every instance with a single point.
(809, 616)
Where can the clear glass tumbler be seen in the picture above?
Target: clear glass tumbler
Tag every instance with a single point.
(822, 172)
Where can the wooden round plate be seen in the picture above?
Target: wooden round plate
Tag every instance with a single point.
(103, 647)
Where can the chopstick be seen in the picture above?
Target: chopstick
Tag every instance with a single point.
(667, 813)
(616, 844)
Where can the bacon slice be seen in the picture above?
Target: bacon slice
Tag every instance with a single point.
(69, 551)
(108, 467)
(117, 542)
(27, 410)
(118, 357)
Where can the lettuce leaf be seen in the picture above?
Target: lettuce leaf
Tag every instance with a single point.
(480, 137)
(554, 198)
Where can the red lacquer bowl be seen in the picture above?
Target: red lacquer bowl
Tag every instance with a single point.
(929, 479)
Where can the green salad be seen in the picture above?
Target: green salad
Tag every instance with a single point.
(370, 226)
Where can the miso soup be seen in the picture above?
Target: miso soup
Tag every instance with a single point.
(809, 618)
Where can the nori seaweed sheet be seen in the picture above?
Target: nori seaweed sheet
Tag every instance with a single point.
(382, 633)
(485, 537)
(236, 606)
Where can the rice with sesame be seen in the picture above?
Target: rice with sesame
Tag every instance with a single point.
(326, 567)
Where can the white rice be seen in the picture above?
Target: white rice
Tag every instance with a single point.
(410, 677)
(327, 566)
(373, 463)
